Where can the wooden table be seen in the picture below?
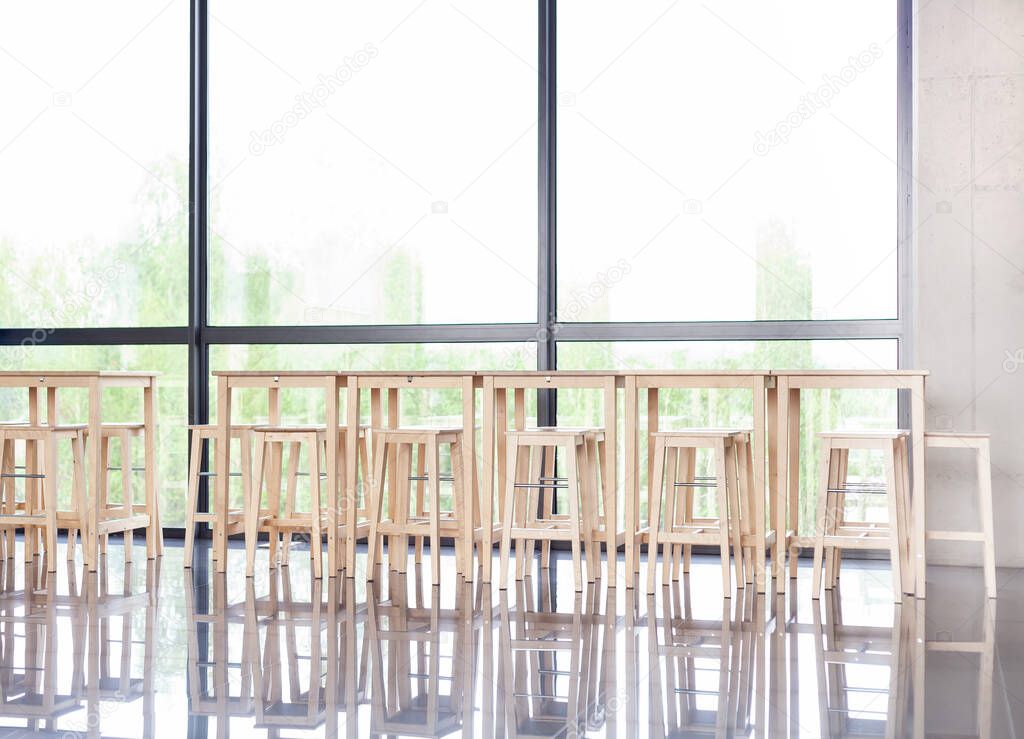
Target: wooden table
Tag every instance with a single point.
(495, 427)
(761, 386)
(327, 381)
(788, 384)
(377, 382)
(95, 382)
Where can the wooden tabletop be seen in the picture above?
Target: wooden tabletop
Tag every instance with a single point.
(524, 372)
(78, 373)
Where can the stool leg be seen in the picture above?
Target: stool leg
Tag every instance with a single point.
(668, 550)
(364, 512)
(434, 483)
(525, 511)
(732, 513)
(376, 504)
(50, 504)
(127, 491)
(31, 497)
(78, 492)
(535, 497)
(421, 486)
(839, 515)
(291, 486)
(745, 517)
(548, 502)
(252, 506)
(511, 465)
(721, 492)
(895, 548)
(458, 491)
(820, 522)
(573, 473)
(398, 553)
(608, 506)
(246, 461)
(102, 494)
(689, 474)
(9, 491)
(985, 510)
(656, 489)
(903, 509)
(834, 506)
(194, 460)
(588, 503)
(316, 543)
(672, 553)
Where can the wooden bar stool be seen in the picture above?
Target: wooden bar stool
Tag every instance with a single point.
(594, 467)
(270, 442)
(979, 443)
(38, 511)
(680, 527)
(124, 434)
(130, 513)
(235, 523)
(397, 446)
(526, 472)
(834, 532)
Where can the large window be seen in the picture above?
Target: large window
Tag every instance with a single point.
(373, 162)
(94, 164)
(724, 161)
(422, 184)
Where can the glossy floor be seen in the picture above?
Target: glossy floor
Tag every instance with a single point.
(154, 650)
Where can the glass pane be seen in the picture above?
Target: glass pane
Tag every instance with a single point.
(119, 404)
(373, 162)
(820, 410)
(727, 160)
(93, 163)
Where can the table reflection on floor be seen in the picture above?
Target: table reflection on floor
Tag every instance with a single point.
(150, 649)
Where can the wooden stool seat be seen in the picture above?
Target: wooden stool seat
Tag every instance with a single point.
(979, 444)
(394, 450)
(835, 532)
(675, 458)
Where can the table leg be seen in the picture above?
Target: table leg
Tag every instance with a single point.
(331, 460)
(275, 467)
(97, 470)
(653, 424)
(154, 547)
(632, 480)
(350, 502)
(781, 482)
(793, 465)
(918, 494)
(487, 481)
(611, 514)
(771, 484)
(501, 451)
(220, 498)
(758, 439)
(33, 487)
(397, 487)
(469, 474)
